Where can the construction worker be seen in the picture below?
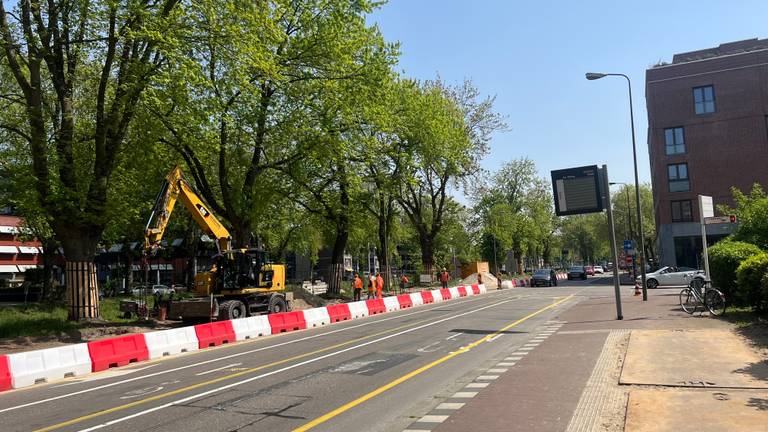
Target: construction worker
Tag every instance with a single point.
(379, 285)
(444, 277)
(371, 286)
(357, 287)
(403, 283)
(479, 278)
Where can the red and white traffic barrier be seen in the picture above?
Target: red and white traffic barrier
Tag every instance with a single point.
(43, 366)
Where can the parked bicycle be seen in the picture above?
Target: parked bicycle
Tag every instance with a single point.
(700, 293)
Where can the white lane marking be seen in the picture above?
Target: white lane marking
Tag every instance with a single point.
(116, 383)
(464, 395)
(416, 430)
(506, 364)
(521, 353)
(487, 377)
(476, 385)
(513, 358)
(433, 419)
(531, 345)
(451, 337)
(525, 349)
(450, 405)
(110, 373)
(495, 337)
(277, 371)
(425, 350)
(497, 371)
(218, 369)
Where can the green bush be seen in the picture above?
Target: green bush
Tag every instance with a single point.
(750, 275)
(724, 259)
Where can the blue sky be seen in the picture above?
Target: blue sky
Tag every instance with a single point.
(533, 55)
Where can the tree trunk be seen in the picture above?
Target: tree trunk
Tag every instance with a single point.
(242, 234)
(129, 271)
(80, 271)
(49, 251)
(427, 257)
(336, 269)
(383, 250)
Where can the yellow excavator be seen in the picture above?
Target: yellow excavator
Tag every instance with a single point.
(241, 282)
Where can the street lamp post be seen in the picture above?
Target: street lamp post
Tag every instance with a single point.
(595, 76)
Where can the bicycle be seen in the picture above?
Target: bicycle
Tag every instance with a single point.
(700, 292)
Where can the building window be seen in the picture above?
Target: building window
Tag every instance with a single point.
(675, 140)
(704, 99)
(682, 211)
(678, 177)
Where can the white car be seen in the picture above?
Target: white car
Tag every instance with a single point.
(598, 269)
(671, 276)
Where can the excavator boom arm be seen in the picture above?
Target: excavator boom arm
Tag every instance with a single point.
(177, 188)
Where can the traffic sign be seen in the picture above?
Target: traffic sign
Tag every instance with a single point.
(628, 245)
(719, 220)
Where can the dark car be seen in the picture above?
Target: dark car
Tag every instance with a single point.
(544, 277)
(577, 272)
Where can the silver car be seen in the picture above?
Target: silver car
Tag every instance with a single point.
(670, 276)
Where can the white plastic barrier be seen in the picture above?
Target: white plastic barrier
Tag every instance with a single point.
(391, 303)
(437, 296)
(483, 290)
(506, 284)
(454, 292)
(470, 292)
(170, 342)
(316, 317)
(251, 327)
(46, 365)
(358, 309)
(417, 299)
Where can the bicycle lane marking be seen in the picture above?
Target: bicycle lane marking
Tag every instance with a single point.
(340, 410)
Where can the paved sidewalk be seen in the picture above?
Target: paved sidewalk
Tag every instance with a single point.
(567, 378)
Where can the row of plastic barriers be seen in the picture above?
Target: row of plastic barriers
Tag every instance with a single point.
(28, 368)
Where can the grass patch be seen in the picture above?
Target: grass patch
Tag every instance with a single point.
(41, 319)
(744, 316)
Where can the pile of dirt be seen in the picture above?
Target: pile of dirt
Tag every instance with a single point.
(489, 280)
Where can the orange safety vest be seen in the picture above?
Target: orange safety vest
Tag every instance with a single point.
(379, 283)
(358, 283)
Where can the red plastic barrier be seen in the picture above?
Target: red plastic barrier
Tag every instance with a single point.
(215, 333)
(427, 297)
(375, 306)
(462, 291)
(119, 351)
(287, 321)
(339, 312)
(405, 301)
(475, 289)
(446, 293)
(5, 374)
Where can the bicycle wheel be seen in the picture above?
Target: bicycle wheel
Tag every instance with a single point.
(688, 301)
(715, 301)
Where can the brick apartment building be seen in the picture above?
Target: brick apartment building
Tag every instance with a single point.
(16, 255)
(707, 132)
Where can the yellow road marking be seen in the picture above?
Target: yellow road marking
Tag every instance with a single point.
(219, 379)
(324, 418)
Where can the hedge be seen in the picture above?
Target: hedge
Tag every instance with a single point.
(724, 259)
(749, 276)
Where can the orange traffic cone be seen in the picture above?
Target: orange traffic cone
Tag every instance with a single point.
(637, 289)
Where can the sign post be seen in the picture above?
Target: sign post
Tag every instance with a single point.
(707, 211)
(585, 190)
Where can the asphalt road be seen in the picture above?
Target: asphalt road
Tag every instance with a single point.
(374, 374)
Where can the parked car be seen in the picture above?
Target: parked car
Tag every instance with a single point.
(670, 276)
(589, 270)
(577, 272)
(544, 277)
(598, 269)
